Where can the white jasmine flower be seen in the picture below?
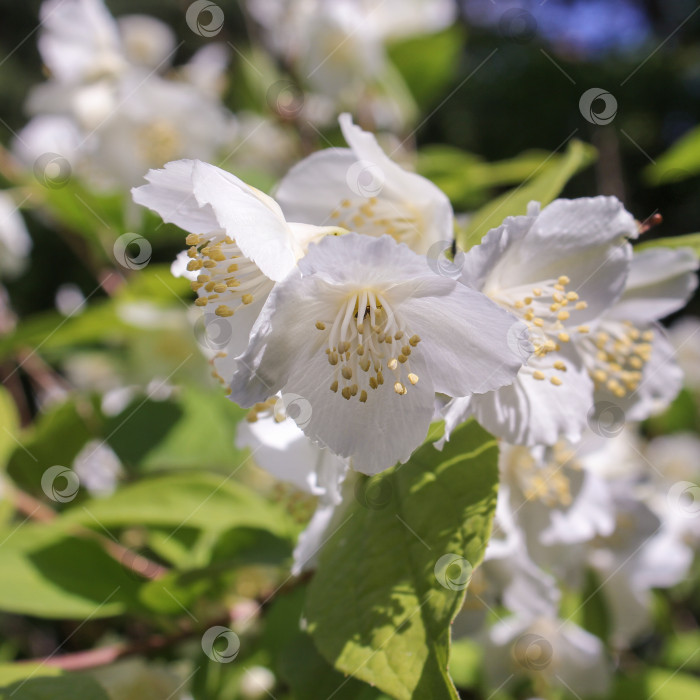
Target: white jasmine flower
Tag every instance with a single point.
(626, 354)
(15, 243)
(105, 84)
(98, 468)
(641, 554)
(280, 447)
(558, 270)
(551, 498)
(366, 332)
(240, 243)
(361, 189)
(553, 653)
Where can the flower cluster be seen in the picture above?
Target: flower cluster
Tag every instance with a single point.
(348, 338)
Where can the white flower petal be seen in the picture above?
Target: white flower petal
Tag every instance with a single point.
(294, 346)
(171, 195)
(661, 280)
(532, 411)
(252, 218)
(79, 39)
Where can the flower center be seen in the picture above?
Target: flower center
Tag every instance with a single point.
(547, 311)
(616, 356)
(546, 482)
(375, 217)
(228, 279)
(160, 142)
(365, 338)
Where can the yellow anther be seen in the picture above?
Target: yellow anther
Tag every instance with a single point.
(414, 340)
(232, 268)
(648, 336)
(333, 358)
(519, 305)
(537, 292)
(600, 376)
(583, 329)
(563, 315)
(334, 386)
(413, 378)
(346, 372)
(398, 335)
(528, 301)
(580, 305)
(194, 265)
(373, 382)
(406, 350)
(560, 366)
(556, 381)
(321, 325)
(346, 393)
(380, 378)
(400, 389)
(193, 239)
(207, 263)
(220, 288)
(538, 375)
(392, 364)
(357, 220)
(223, 310)
(538, 322)
(192, 253)
(554, 307)
(571, 296)
(363, 396)
(247, 298)
(402, 358)
(563, 280)
(361, 350)
(345, 203)
(201, 301)
(364, 364)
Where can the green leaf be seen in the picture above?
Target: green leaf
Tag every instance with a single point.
(467, 178)
(543, 186)
(296, 660)
(9, 420)
(68, 687)
(48, 574)
(202, 500)
(428, 63)
(375, 606)
(680, 162)
(690, 240)
(58, 437)
(192, 432)
(658, 683)
(9, 673)
(683, 651)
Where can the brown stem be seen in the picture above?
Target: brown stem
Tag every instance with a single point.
(139, 564)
